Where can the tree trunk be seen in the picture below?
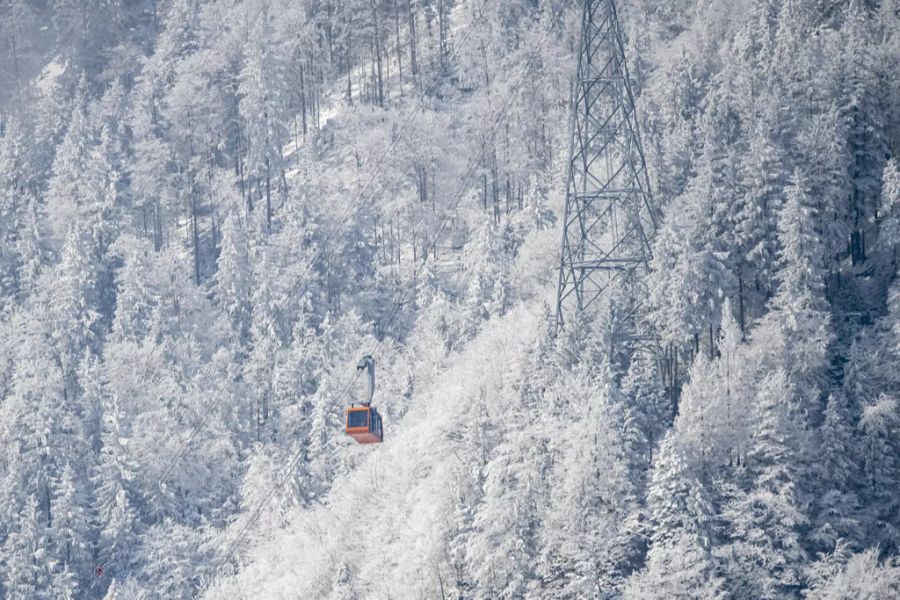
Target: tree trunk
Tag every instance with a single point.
(495, 188)
(195, 232)
(239, 159)
(508, 194)
(349, 73)
(413, 64)
(399, 46)
(315, 99)
(442, 39)
(157, 226)
(379, 80)
(15, 61)
(675, 383)
(303, 98)
(213, 201)
(857, 236)
(268, 197)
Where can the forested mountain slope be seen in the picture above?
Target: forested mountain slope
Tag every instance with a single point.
(209, 210)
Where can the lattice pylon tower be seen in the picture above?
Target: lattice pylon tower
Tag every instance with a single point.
(609, 214)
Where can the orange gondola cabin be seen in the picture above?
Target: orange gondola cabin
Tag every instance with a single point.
(363, 423)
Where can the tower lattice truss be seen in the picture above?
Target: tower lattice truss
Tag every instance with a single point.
(609, 218)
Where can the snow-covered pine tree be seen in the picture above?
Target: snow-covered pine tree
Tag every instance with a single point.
(820, 139)
(72, 531)
(265, 339)
(13, 204)
(71, 305)
(168, 553)
(503, 549)
(679, 562)
(38, 433)
(864, 576)
(486, 261)
(32, 248)
(756, 216)
(889, 214)
(880, 422)
(25, 555)
(799, 308)
(134, 293)
(591, 535)
(18, 21)
(67, 192)
(101, 216)
(115, 508)
(837, 520)
(764, 553)
(263, 91)
(862, 113)
(234, 277)
(647, 410)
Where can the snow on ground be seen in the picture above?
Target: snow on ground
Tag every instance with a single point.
(50, 73)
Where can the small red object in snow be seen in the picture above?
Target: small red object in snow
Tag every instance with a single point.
(99, 571)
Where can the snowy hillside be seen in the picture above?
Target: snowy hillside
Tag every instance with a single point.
(210, 210)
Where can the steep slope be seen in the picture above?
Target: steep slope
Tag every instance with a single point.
(210, 210)
(385, 529)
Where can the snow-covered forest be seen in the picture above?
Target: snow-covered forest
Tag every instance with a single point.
(210, 209)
